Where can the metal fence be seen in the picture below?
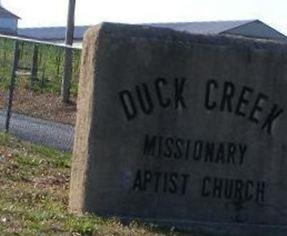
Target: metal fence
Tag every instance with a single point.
(31, 74)
(40, 65)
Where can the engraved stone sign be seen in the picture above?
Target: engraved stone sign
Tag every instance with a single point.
(182, 129)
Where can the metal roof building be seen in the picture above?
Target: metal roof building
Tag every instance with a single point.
(4, 13)
(246, 28)
(51, 33)
(8, 21)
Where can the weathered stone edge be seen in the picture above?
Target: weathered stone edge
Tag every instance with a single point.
(85, 106)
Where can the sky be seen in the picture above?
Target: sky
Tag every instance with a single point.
(35, 13)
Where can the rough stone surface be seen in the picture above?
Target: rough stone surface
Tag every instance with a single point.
(182, 129)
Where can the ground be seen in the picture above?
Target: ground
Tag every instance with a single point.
(47, 106)
(34, 183)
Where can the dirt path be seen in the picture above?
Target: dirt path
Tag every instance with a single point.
(48, 133)
(51, 134)
(44, 106)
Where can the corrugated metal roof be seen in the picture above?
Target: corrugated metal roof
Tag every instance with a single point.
(207, 27)
(51, 33)
(4, 13)
(212, 27)
(215, 27)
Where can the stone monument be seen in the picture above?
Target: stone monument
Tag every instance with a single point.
(183, 130)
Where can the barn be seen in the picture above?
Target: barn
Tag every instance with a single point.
(8, 22)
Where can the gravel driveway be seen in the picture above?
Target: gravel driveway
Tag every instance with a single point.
(56, 135)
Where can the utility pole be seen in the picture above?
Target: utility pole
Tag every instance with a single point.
(68, 61)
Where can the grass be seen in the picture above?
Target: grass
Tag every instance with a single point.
(49, 65)
(34, 182)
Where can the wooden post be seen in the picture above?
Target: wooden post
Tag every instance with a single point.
(4, 57)
(43, 80)
(58, 61)
(34, 68)
(4, 54)
(68, 61)
(12, 85)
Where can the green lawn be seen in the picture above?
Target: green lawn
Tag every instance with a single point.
(34, 196)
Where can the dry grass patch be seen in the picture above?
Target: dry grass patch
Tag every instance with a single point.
(47, 106)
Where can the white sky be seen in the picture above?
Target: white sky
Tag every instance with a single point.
(53, 12)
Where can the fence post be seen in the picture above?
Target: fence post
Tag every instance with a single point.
(4, 54)
(68, 64)
(43, 80)
(12, 85)
(34, 68)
